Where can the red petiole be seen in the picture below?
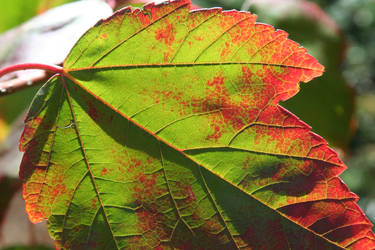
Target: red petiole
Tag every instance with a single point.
(23, 66)
(9, 86)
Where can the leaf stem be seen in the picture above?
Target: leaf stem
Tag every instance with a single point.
(10, 86)
(23, 66)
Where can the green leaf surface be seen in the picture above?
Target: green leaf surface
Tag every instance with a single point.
(164, 131)
(18, 11)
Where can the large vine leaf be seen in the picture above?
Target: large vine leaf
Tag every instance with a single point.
(164, 132)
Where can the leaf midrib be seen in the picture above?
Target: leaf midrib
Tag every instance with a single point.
(188, 64)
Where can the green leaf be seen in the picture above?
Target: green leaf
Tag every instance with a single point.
(16, 12)
(164, 131)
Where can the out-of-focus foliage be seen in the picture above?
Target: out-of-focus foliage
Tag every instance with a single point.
(357, 19)
(225, 4)
(360, 175)
(8, 187)
(19, 11)
(11, 107)
(14, 16)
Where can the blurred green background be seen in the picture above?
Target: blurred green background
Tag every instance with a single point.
(340, 105)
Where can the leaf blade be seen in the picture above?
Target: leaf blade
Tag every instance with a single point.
(231, 109)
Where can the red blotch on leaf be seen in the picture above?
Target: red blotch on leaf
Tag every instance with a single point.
(166, 33)
(94, 202)
(191, 195)
(93, 112)
(104, 171)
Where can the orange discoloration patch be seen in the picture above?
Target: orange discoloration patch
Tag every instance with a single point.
(29, 131)
(171, 93)
(198, 38)
(148, 180)
(243, 30)
(226, 51)
(246, 75)
(191, 195)
(146, 220)
(167, 56)
(150, 223)
(234, 112)
(212, 225)
(318, 216)
(143, 17)
(166, 33)
(146, 188)
(59, 189)
(93, 112)
(104, 171)
(94, 202)
(246, 163)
